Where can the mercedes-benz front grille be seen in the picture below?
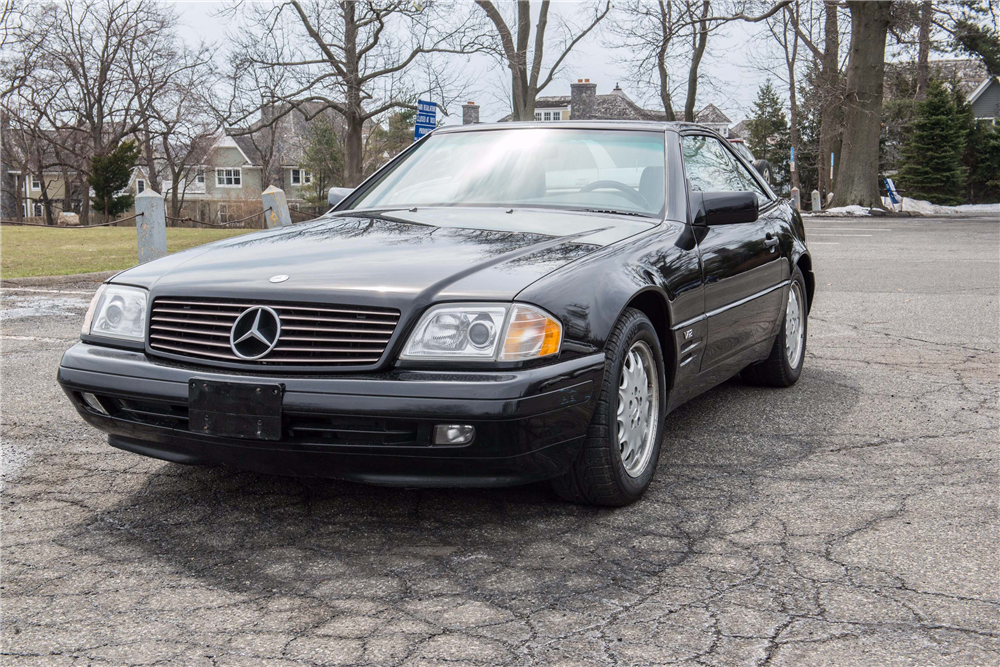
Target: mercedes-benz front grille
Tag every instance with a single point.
(318, 335)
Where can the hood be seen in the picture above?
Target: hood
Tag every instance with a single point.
(389, 258)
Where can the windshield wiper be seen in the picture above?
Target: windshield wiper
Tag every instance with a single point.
(615, 212)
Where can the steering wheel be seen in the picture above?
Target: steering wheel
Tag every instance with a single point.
(630, 193)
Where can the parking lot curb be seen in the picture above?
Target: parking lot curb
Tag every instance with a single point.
(48, 281)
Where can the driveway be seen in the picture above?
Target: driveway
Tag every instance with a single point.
(850, 520)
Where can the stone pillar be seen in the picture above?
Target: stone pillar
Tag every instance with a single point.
(150, 226)
(796, 201)
(274, 199)
(583, 100)
(816, 205)
(470, 113)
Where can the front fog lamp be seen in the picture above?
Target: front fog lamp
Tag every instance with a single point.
(454, 434)
(117, 312)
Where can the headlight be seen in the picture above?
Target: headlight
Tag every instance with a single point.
(117, 312)
(484, 332)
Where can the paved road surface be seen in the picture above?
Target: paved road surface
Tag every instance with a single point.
(851, 520)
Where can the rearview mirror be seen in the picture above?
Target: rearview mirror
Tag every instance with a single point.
(337, 195)
(723, 208)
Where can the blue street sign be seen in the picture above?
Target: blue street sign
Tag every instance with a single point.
(426, 119)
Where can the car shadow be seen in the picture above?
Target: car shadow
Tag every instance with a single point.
(259, 534)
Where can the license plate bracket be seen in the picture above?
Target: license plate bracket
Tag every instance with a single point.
(243, 410)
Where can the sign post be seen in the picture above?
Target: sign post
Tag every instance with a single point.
(426, 119)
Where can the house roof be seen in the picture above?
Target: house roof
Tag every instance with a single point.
(740, 130)
(711, 114)
(617, 105)
(974, 95)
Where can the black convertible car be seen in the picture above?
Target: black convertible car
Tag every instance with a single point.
(498, 304)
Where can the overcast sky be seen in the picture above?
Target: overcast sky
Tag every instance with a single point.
(732, 87)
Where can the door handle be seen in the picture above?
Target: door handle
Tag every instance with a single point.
(770, 241)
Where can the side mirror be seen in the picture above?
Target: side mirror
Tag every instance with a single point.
(724, 208)
(337, 195)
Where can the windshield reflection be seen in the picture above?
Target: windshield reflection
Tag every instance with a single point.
(607, 170)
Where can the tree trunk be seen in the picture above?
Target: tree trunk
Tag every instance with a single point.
(353, 151)
(793, 130)
(924, 49)
(829, 112)
(147, 149)
(84, 200)
(857, 181)
(699, 51)
(67, 192)
(661, 66)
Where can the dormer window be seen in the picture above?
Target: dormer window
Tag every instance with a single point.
(548, 115)
(140, 186)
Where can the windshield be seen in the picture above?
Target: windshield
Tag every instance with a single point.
(607, 170)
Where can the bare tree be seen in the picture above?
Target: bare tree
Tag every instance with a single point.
(829, 85)
(352, 57)
(782, 32)
(857, 182)
(659, 36)
(83, 85)
(524, 57)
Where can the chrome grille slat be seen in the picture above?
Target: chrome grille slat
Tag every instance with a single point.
(339, 320)
(291, 327)
(181, 311)
(316, 335)
(279, 307)
(193, 341)
(200, 332)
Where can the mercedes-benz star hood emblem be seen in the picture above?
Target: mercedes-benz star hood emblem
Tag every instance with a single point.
(255, 332)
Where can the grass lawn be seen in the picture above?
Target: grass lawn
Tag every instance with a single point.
(36, 251)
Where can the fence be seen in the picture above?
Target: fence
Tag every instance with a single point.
(151, 220)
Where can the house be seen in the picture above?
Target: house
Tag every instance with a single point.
(985, 100)
(981, 90)
(583, 103)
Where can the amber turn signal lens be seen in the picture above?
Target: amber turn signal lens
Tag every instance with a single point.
(531, 333)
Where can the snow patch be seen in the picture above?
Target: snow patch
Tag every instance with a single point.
(922, 207)
(853, 209)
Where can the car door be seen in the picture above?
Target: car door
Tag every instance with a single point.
(740, 262)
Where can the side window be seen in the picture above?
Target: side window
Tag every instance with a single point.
(710, 167)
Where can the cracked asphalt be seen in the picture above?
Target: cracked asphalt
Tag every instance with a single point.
(849, 520)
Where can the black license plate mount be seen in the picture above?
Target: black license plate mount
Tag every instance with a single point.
(243, 410)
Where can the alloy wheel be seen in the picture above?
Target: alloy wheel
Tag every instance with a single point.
(795, 330)
(638, 408)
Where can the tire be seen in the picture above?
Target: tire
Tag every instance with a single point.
(763, 168)
(606, 473)
(783, 366)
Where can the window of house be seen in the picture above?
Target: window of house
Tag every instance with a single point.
(301, 177)
(224, 213)
(199, 176)
(228, 178)
(548, 115)
(140, 186)
(35, 183)
(37, 208)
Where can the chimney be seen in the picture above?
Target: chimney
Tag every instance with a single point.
(583, 100)
(470, 113)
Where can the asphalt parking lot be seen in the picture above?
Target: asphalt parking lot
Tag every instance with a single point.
(849, 520)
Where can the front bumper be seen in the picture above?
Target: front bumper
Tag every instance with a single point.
(376, 427)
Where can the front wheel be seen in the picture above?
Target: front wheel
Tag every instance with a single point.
(783, 366)
(616, 464)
